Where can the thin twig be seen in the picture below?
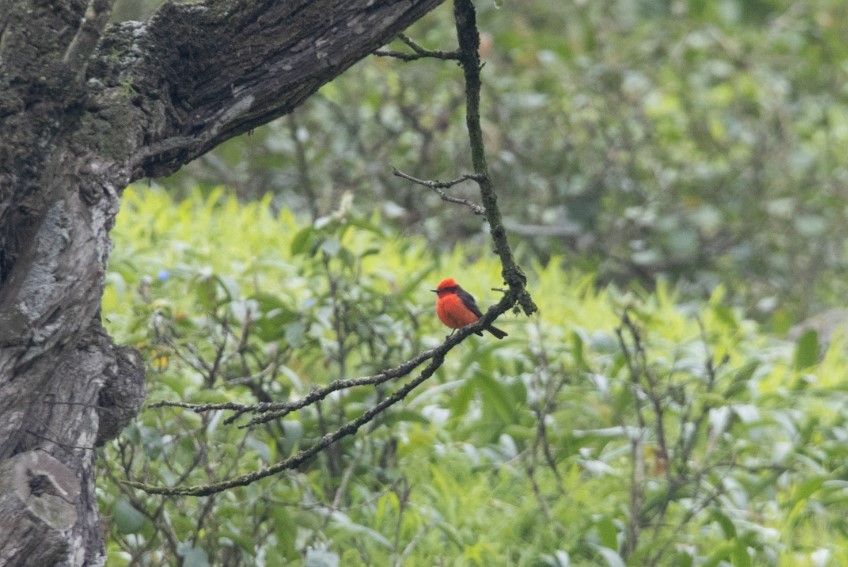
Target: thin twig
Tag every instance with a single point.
(199, 408)
(438, 184)
(303, 172)
(637, 473)
(437, 187)
(419, 52)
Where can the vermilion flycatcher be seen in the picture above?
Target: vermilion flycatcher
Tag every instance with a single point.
(456, 307)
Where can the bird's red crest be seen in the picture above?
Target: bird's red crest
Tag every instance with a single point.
(447, 283)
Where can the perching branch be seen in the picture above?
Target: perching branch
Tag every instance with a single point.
(438, 357)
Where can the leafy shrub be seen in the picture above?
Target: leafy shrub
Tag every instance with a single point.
(698, 142)
(614, 428)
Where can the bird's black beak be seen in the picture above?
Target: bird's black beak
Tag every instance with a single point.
(435, 290)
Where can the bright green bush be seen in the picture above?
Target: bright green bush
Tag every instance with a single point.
(701, 142)
(613, 428)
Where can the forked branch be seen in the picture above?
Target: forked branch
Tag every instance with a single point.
(437, 187)
(418, 52)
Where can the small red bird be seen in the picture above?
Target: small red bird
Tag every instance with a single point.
(456, 307)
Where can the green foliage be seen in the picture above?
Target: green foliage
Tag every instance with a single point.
(611, 429)
(702, 142)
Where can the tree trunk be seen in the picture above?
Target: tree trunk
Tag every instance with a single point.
(85, 109)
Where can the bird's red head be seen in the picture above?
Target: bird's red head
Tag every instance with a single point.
(447, 285)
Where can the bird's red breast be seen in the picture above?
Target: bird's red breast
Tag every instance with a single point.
(453, 312)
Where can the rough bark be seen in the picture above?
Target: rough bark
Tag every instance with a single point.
(84, 110)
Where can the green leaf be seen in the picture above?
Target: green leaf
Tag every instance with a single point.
(727, 526)
(722, 552)
(607, 533)
(292, 435)
(192, 556)
(344, 522)
(577, 350)
(807, 350)
(274, 316)
(458, 402)
(495, 397)
(366, 225)
(682, 559)
(407, 415)
(610, 556)
(321, 558)
(331, 246)
(741, 378)
(302, 241)
(725, 315)
(127, 519)
(295, 332)
(741, 557)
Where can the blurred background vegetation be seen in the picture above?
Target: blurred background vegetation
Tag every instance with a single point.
(701, 142)
(683, 162)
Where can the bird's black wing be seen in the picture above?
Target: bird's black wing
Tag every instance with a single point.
(469, 302)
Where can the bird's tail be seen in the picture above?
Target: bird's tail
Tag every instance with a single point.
(497, 332)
